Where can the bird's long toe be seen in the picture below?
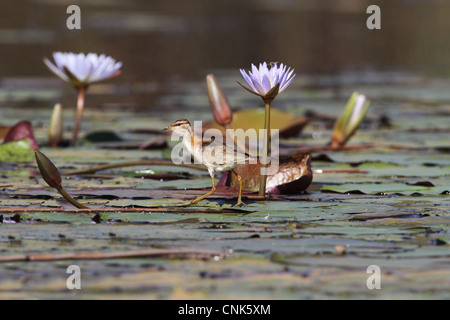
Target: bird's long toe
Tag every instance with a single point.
(240, 204)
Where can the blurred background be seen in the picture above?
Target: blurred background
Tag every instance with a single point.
(164, 43)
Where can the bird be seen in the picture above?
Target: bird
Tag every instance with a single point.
(214, 154)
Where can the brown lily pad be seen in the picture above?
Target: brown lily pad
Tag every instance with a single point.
(3, 131)
(421, 183)
(288, 124)
(294, 175)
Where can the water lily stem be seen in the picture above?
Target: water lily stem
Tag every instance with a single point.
(266, 151)
(70, 199)
(80, 107)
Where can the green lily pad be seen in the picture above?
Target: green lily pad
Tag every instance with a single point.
(16, 151)
(386, 189)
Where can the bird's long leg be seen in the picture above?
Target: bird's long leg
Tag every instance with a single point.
(213, 189)
(240, 190)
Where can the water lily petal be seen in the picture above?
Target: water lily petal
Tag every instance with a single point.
(83, 69)
(248, 89)
(55, 70)
(266, 84)
(255, 74)
(286, 84)
(248, 80)
(101, 69)
(263, 79)
(259, 88)
(285, 76)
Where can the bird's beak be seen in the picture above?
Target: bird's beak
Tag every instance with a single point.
(166, 128)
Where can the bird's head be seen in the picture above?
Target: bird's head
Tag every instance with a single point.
(179, 126)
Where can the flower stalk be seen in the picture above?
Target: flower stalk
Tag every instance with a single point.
(69, 198)
(79, 116)
(266, 151)
(267, 83)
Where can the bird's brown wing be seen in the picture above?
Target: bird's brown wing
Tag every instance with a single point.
(207, 142)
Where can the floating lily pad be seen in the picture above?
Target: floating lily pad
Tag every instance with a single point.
(293, 176)
(383, 209)
(288, 125)
(16, 151)
(386, 189)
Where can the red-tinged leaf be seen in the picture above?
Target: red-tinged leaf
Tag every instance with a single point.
(21, 131)
(294, 175)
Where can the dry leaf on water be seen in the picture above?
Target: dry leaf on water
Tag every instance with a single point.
(294, 175)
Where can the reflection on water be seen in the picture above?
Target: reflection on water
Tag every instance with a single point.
(160, 40)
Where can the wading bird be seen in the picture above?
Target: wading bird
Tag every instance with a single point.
(215, 155)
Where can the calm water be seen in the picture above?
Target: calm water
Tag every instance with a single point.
(160, 41)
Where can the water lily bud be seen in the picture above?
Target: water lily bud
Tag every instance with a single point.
(55, 128)
(350, 119)
(219, 103)
(48, 170)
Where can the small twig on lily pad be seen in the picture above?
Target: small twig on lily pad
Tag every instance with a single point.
(153, 141)
(149, 210)
(354, 147)
(177, 253)
(131, 164)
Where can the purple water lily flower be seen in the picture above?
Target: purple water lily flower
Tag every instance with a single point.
(81, 69)
(265, 82)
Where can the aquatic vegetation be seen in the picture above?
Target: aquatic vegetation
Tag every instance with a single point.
(220, 107)
(53, 178)
(350, 119)
(82, 70)
(380, 189)
(267, 83)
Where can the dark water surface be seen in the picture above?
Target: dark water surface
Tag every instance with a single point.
(158, 40)
(384, 206)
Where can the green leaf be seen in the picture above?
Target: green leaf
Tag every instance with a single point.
(272, 93)
(16, 151)
(55, 130)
